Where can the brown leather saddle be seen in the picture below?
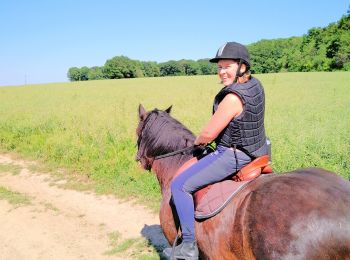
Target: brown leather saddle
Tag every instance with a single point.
(213, 198)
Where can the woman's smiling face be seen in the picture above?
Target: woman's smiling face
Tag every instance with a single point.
(227, 71)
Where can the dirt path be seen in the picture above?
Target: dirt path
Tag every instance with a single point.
(67, 224)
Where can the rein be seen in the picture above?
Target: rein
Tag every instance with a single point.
(189, 148)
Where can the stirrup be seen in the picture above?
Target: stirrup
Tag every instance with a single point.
(174, 245)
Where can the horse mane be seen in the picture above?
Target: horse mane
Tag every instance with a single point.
(164, 134)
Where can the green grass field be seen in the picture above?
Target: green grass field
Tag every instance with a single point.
(89, 127)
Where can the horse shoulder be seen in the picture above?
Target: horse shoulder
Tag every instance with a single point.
(167, 222)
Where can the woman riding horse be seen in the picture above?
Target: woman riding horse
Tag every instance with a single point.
(303, 214)
(236, 126)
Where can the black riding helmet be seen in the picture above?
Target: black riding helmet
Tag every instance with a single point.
(233, 51)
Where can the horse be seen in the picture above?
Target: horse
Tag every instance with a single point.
(302, 214)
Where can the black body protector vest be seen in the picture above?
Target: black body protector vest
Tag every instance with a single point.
(245, 132)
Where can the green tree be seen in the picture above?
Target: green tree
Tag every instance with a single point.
(84, 73)
(171, 68)
(95, 73)
(73, 74)
(190, 67)
(150, 69)
(120, 67)
(206, 67)
(266, 55)
(342, 57)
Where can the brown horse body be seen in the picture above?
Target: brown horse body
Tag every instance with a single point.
(304, 214)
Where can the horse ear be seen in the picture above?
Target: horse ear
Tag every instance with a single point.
(142, 112)
(168, 109)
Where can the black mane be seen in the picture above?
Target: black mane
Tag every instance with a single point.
(163, 134)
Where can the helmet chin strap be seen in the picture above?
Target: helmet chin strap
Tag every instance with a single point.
(238, 72)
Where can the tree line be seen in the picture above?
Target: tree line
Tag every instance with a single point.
(321, 49)
(123, 67)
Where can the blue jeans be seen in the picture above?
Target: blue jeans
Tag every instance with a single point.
(213, 168)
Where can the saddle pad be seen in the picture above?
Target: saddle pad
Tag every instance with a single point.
(217, 197)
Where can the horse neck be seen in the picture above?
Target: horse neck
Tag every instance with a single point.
(170, 133)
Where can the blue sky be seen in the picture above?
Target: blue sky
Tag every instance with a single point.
(42, 39)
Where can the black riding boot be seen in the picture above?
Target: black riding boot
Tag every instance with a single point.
(186, 251)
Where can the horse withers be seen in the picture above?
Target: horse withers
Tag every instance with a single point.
(303, 214)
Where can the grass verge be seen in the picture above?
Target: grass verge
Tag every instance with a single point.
(14, 198)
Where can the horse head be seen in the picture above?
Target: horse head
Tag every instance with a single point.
(159, 133)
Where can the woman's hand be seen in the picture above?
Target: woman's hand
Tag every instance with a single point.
(199, 141)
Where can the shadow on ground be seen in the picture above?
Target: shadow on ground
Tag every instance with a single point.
(155, 236)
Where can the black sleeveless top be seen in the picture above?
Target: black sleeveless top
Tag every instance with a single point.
(247, 131)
